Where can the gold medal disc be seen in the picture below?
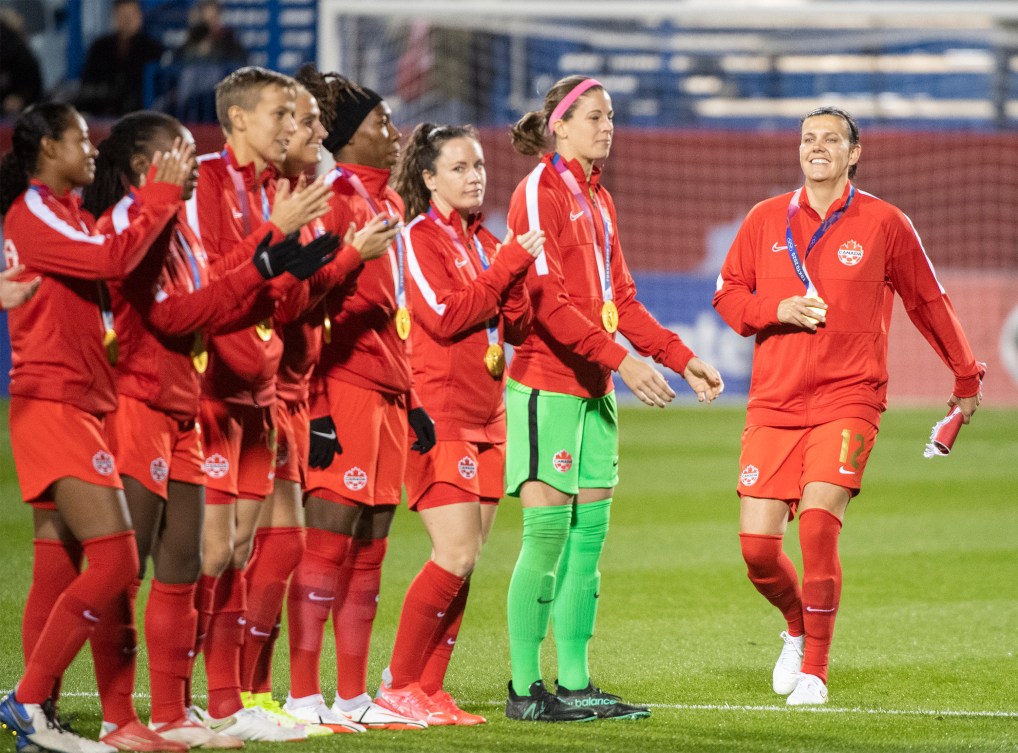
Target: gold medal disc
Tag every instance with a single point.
(494, 360)
(327, 328)
(610, 316)
(264, 330)
(199, 354)
(112, 346)
(403, 323)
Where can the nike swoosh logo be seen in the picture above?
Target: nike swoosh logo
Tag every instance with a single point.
(821, 611)
(330, 435)
(574, 216)
(460, 263)
(846, 472)
(259, 633)
(440, 614)
(315, 597)
(545, 601)
(451, 641)
(87, 614)
(238, 215)
(776, 248)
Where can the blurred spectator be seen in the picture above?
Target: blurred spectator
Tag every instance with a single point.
(112, 81)
(208, 40)
(20, 78)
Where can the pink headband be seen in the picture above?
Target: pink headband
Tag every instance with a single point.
(570, 98)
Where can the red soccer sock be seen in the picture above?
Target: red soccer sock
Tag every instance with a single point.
(114, 645)
(354, 614)
(442, 643)
(261, 680)
(55, 565)
(425, 606)
(222, 645)
(277, 553)
(112, 568)
(774, 576)
(171, 622)
(821, 586)
(312, 594)
(204, 597)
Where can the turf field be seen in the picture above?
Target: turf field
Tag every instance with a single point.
(924, 654)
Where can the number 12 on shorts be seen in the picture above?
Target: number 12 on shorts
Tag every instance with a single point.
(847, 440)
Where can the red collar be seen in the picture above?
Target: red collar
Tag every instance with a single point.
(838, 204)
(375, 179)
(71, 199)
(474, 221)
(577, 170)
(247, 172)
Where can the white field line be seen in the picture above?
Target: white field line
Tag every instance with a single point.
(731, 707)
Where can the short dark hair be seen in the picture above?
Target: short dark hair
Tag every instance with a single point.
(853, 127)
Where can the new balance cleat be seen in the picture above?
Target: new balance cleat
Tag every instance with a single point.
(312, 710)
(788, 668)
(195, 735)
(445, 702)
(605, 705)
(542, 706)
(811, 691)
(414, 703)
(365, 712)
(35, 728)
(255, 724)
(137, 737)
(270, 706)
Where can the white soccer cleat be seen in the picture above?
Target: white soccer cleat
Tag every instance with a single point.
(195, 735)
(365, 712)
(312, 710)
(35, 726)
(788, 668)
(811, 691)
(256, 724)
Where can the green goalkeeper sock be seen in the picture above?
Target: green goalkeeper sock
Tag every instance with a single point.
(579, 582)
(532, 589)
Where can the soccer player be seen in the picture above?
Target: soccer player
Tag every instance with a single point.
(279, 542)
(64, 346)
(562, 454)
(163, 312)
(468, 301)
(236, 202)
(809, 274)
(14, 292)
(362, 401)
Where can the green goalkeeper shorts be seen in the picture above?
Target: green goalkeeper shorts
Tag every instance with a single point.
(568, 442)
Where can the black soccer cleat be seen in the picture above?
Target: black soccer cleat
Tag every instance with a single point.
(604, 705)
(542, 706)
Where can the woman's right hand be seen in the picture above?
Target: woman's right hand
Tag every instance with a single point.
(374, 238)
(532, 242)
(292, 210)
(174, 166)
(645, 382)
(13, 293)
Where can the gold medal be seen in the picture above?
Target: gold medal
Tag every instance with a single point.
(494, 360)
(610, 316)
(403, 323)
(327, 328)
(264, 330)
(199, 354)
(112, 346)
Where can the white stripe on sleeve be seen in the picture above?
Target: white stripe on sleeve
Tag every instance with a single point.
(417, 273)
(121, 219)
(38, 207)
(533, 216)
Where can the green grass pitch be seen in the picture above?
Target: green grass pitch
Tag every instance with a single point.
(924, 652)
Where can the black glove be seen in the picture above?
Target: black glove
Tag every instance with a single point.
(424, 428)
(324, 443)
(312, 257)
(271, 258)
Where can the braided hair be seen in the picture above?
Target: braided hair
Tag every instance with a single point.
(422, 150)
(131, 135)
(44, 120)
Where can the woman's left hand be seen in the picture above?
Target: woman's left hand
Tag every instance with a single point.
(703, 379)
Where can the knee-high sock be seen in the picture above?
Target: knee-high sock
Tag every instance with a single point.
(55, 565)
(425, 606)
(112, 568)
(204, 599)
(310, 599)
(773, 574)
(821, 586)
(532, 589)
(114, 645)
(171, 623)
(261, 680)
(354, 614)
(442, 643)
(277, 551)
(578, 588)
(222, 646)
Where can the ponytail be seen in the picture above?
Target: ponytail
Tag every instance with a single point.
(422, 149)
(44, 120)
(531, 134)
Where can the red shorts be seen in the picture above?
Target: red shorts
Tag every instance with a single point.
(51, 441)
(153, 448)
(777, 463)
(293, 434)
(240, 451)
(477, 470)
(372, 428)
